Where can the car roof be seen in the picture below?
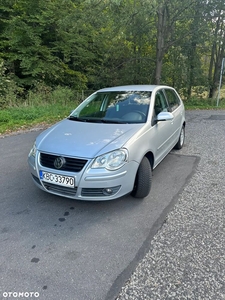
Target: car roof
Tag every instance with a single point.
(138, 87)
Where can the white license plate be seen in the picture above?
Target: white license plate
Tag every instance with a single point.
(57, 179)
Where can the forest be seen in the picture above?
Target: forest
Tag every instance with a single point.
(89, 44)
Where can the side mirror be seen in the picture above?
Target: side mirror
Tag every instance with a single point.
(164, 116)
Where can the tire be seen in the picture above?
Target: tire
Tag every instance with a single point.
(180, 142)
(143, 180)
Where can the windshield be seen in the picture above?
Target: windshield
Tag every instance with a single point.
(114, 107)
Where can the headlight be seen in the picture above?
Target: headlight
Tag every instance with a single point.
(33, 150)
(111, 161)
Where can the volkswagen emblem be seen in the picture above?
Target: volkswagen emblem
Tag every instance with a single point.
(59, 162)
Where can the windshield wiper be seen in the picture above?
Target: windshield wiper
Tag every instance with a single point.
(74, 118)
(93, 120)
(111, 121)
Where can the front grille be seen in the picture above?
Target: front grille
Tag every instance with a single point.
(98, 192)
(62, 190)
(70, 165)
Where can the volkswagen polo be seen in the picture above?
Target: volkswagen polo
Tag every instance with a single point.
(110, 144)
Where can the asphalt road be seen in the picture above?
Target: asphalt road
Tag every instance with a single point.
(54, 248)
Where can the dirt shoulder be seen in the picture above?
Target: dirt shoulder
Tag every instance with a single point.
(25, 129)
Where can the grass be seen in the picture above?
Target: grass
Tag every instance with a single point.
(201, 103)
(21, 118)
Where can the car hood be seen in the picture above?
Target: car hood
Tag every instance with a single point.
(83, 139)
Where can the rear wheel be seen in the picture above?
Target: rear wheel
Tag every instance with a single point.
(143, 180)
(180, 142)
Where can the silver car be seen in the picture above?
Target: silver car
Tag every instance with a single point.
(109, 145)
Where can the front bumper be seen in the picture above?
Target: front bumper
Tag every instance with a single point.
(90, 184)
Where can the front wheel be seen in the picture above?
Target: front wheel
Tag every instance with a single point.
(143, 180)
(180, 142)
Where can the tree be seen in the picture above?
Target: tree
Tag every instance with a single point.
(94, 43)
(42, 41)
(216, 20)
(171, 16)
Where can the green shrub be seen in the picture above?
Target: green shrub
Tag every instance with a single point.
(199, 103)
(4, 116)
(62, 95)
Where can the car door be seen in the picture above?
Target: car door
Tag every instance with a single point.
(177, 111)
(162, 130)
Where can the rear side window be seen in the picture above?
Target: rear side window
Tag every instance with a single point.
(172, 99)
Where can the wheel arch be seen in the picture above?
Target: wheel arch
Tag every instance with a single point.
(150, 157)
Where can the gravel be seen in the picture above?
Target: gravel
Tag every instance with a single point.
(186, 259)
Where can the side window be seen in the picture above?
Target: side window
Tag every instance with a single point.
(173, 99)
(160, 103)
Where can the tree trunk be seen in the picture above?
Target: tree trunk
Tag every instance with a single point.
(217, 54)
(210, 75)
(160, 51)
